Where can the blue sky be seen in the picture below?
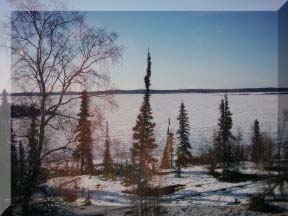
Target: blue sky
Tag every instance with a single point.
(173, 5)
(194, 49)
(243, 47)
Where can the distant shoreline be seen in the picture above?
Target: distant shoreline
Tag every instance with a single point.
(176, 91)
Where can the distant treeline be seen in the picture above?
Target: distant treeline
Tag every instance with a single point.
(176, 91)
(19, 111)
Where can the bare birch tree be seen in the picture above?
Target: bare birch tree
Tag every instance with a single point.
(56, 51)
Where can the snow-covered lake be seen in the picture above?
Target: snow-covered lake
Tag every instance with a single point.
(203, 115)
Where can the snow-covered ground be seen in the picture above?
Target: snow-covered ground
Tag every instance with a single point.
(172, 210)
(102, 192)
(200, 188)
(202, 194)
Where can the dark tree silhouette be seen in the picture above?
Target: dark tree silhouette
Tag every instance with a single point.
(167, 158)
(183, 151)
(143, 137)
(33, 139)
(22, 167)
(56, 51)
(84, 148)
(257, 148)
(238, 150)
(14, 168)
(224, 137)
(29, 165)
(108, 169)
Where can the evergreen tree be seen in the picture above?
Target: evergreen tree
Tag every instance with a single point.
(242, 153)
(22, 174)
(238, 155)
(184, 148)
(108, 169)
(33, 137)
(170, 144)
(267, 144)
(84, 150)
(213, 152)
(22, 162)
(256, 143)
(14, 167)
(225, 137)
(165, 162)
(29, 164)
(167, 158)
(217, 147)
(129, 174)
(143, 138)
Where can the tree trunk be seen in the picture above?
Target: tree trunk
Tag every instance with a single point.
(82, 163)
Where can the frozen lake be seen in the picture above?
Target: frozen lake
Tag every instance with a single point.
(203, 115)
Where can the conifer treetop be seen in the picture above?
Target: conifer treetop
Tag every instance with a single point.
(107, 130)
(143, 136)
(168, 130)
(148, 73)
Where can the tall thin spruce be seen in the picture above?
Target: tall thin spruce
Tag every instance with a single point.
(224, 136)
(84, 148)
(143, 138)
(183, 151)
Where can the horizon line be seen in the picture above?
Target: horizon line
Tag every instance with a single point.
(184, 90)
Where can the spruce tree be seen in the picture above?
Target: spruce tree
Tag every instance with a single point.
(217, 147)
(14, 167)
(29, 163)
(108, 169)
(237, 150)
(170, 143)
(242, 153)
(22, 162)
(213, 152)
(167, 158)
(256, 143)
(184, 148)
(33, 137)
(224, 136)
(143, 137)
(165, 162)
(84, 150)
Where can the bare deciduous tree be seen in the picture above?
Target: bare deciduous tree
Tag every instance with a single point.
(55, 51)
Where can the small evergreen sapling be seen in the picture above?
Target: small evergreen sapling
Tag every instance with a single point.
(167, 158)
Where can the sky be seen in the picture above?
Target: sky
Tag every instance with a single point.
(189, 49)
(194, 49)
(172, 5)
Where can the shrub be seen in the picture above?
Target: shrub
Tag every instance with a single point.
(259, 204)
(68, 195)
